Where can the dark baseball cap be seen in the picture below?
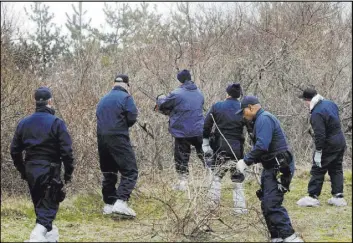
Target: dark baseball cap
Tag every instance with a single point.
(122, 78)
(308, 94)
(246, 101)
(42, 93)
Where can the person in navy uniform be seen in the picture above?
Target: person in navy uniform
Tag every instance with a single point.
(184, 106)
(272, 150)
(47, 144)
(116, 113)
(221, 150)
(330, 146)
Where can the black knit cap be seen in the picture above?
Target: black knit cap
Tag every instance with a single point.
(183, 76)
(234, 90)
(308, 94)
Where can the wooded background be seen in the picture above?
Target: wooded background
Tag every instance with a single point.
(275, 50)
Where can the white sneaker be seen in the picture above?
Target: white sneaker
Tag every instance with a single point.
(293, 238)
(108, 209)
(308, 201)
(276, 240)
(339, 202)
(53, 235)
(239, 199)
(120, 207)
(38, 234)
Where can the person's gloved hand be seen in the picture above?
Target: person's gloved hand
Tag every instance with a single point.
(241, 166)
(317, 158)
(160, 100)
(284, 182)
(67, 178)
(282, 188)
(206, 148)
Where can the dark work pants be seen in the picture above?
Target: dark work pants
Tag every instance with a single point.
(116, 155)
(38, 178)
(276, 216)
(222, 154)
(331, 163)
(182, 150)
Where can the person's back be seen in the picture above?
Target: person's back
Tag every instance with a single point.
(277, 138)
(116, 112)
(325, 120)
(330, 146)
(184, 106)
(46, 143)
(186, 116)
(38, 137)
(271, 149)
(230, 125)
(223, 113)
(222, 150)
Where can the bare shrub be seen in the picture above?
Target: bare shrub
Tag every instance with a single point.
(273, 49)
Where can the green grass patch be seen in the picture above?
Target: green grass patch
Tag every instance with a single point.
(80, 216)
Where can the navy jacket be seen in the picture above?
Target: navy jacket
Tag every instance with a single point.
(43, 136)
(184, 106)
(116, 112)
(230, 124)
(326, 124)
(269, 138)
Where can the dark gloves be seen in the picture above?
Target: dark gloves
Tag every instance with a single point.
(67, 178)
(57, 193)
(284, 173)
(284, 181)
(283, 186)
(260, 194)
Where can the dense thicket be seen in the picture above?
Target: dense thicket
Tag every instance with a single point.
(273, 49)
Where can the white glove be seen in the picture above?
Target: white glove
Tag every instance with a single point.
(159, 101)
(206, 148)
(281, 188)
(317, 158)
(241, 166)
(161, 97)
